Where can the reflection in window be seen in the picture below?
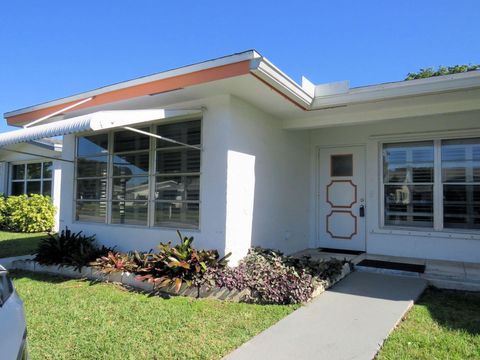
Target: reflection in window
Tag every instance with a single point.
(408, 184)
(122, 180)
(461, 183)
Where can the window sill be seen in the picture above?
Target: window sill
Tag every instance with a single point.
(447, 234)
(139, 227)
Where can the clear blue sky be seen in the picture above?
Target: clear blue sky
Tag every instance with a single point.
(52, 49)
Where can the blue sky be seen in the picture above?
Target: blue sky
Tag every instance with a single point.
(52, 49)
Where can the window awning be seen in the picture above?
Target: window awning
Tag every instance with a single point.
(101, 120)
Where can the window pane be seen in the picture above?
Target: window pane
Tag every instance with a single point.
(129, 212)
(92, 167)
(410, 205)
(17, 187)
(91, 145)
(18, 172)
(130, 188)
(408, 162)
(130, 164)
(34, 171)
(461, 206)
(186, 132)
(92, 189)
(461, 160)
(129, 140)
(177, 188)
(47, 170)
(341, 165)
(91, 211)
(177, 214)
(33, 187)
(47, 188)
(178, 161)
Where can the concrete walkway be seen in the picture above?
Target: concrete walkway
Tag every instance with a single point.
(349, 321)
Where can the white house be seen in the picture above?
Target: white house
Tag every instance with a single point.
(32, 168)
(237, 154)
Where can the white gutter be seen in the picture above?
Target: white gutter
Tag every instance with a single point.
(269, 73)
(433, 85)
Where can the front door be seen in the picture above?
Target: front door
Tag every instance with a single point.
(341, 195)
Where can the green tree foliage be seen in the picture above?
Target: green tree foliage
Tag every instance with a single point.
(441, 70)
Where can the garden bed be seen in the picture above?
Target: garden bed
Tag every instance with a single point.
(131, 281)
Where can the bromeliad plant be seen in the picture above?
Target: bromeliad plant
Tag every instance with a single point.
(69, 248)
(170, 266)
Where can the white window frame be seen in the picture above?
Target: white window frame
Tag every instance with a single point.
(25, 180)
(436, 138)
(152, 151)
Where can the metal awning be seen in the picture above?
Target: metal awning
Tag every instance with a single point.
(101, 120)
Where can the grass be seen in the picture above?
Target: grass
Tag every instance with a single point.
(442, 325)
(75, 319)
(16, 244)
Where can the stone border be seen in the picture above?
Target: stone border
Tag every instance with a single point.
(129, 280)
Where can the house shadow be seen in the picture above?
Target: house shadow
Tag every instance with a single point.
(20, 246)
(453, 310)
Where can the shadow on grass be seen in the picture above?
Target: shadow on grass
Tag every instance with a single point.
(453, 310)
(18, 246)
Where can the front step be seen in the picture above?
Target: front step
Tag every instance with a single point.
(441, 281)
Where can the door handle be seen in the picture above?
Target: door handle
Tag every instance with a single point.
(361, 211)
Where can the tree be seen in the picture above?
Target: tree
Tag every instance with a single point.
(442, 70)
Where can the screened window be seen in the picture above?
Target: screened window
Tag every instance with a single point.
(424, 190)
(129, 178)
(31, 178)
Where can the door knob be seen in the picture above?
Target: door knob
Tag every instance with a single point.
(361, 211)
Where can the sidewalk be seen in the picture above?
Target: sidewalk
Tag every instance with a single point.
(349, 321)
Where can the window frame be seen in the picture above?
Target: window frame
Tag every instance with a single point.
(151, 175)
(25, 179)
(438, 225)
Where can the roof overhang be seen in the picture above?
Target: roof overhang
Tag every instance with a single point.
(98, 121)
(233, 66)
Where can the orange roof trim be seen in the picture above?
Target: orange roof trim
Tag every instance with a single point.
(154, 87)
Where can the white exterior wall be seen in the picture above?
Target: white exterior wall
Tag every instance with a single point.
(211, 234)
(268, 178)
(7, 158)
(447, 244)
(254, 176)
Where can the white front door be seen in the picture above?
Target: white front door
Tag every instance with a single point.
(341, 194)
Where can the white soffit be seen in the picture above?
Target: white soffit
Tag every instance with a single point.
(101, 120)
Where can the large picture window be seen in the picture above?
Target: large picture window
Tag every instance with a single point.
(31, 178)
(130, 178)
(433, 184)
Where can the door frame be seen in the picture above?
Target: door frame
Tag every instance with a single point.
(317, 193)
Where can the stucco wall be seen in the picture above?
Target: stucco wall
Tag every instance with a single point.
(449, 245)
(268, 181)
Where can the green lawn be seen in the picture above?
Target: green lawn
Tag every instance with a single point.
(15, 244)
(442, 325)
(75, 319)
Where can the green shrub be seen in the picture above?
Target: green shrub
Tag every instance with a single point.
(3, 208)
(69, 248)
(34, 213)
